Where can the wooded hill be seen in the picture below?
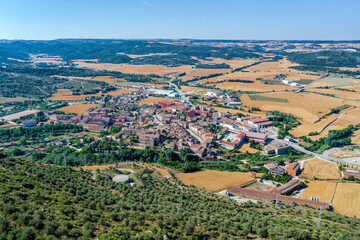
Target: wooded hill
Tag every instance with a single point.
(52, 202)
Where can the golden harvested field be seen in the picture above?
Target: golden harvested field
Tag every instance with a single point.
(119, 91)
(72, 97)
(245, 147)
(215, 180)
(234, 111)
(256, 86)
(78, 109)
(343, 155)
(308, 107)
(307, 127)
(337, 93)
(355, 138)
(151, 100)
(136, 69)
(199, 72)
(100, 167)
(320, 170)
(324, 190)
(351, 117)
(108, 79)
(346, 200)
(63, 92)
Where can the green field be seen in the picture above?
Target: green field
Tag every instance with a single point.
(267, 99)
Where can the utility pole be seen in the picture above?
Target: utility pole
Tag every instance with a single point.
(85, 160)
(276, 200)
(319, 220)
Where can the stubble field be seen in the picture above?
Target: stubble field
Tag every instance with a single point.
(320, 169)
(215, 180)
(78, 109)
(324, 190)
(346, 199)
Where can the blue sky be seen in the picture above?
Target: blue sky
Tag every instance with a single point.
(199, 19)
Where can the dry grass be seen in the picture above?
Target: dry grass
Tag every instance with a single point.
(320, 169)
(62, 92)
(343, 155)
(151, 100)
(215, 180)
(78, 109)
(100, 167)
(8, 125)
(324, 190)
(355, 137)
(136, 69)
(346, 200)
(246, 148)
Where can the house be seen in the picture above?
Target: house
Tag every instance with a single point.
(277, 147)
(150, 138)
(235, 143)
(215, 94)
(271, 197)
(286, 188)
(277, 171)
(29, 123)
(292, 168)
(256, 136)
(350, 173)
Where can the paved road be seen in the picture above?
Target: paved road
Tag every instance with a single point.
(182, 95)
(325, 155)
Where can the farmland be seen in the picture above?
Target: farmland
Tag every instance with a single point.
(135, 69)
(256, 86)
(349, 118)
(203, 72)
(346, 199)
(267, 99)
(324, 190)
(107, 79)
(215, 180)
(319, 169)
(151, 100)
(78, 108)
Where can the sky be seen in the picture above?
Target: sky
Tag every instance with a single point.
(176, 19)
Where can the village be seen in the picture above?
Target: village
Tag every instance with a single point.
(158, 118)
